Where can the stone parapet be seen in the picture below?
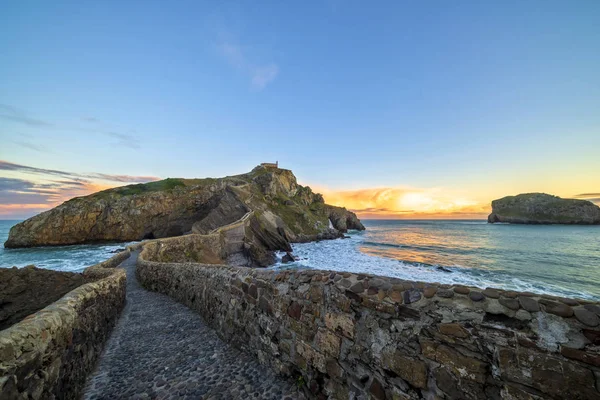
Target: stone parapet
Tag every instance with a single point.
(340, 334)
(50, 353)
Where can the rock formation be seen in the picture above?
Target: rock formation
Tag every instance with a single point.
(267, 205)
(541, 208)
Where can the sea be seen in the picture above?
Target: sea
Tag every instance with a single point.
(561, 260)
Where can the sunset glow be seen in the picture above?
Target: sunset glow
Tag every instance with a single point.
(390, 203)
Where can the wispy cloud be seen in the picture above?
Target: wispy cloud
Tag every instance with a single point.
(29, 145)
(90, 125)
(593, 197)
(261, 74)
(21, 191)
(45, 188)
(21, 198)
(8, 166)
(14, 114)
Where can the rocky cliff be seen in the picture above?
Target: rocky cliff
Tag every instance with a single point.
(282, 211)
(541, 208)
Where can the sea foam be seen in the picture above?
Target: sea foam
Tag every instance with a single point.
(345, 255)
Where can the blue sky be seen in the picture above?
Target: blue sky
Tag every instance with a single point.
(471, 99)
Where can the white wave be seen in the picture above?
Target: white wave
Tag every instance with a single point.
(344, 255)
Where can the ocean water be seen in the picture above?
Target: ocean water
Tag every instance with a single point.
(554, 259)
(61, 258)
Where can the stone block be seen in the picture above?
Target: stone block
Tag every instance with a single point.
(461, 366)
(313, 358)
(409, 368)
(295, 310)
(453, 329)
(328, 342)
(341, 323)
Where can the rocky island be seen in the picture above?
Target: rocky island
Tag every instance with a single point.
(266, 210)
(541, 208)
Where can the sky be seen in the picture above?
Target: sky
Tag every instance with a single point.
(399, 109)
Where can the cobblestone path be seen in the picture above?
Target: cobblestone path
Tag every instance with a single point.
(161, 349)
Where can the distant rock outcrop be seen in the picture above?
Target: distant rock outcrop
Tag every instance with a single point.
(541, 208)
(274, 208)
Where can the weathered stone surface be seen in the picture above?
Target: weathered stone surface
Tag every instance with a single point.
(446, 293)
(523, 315)
(464, 367)
(476, 296)
(569, 302)
(368, 344)
(593, 308)
(341, 323)
(448, 383)
(397, 296)
(454, 329)
(553, 375)
(50, 353)
(513, 304)
(410, 369)
(295, 310)
(377, 390)
(462, 289)
(358, 287)
(491, 293)
(329, 342)
(411, 296)
(430, 291)
(529, 304)
(559, 309)
(592, 359)
(586, 317)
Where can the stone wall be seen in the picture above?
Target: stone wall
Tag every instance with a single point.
(50, 353)
(343, 335)
(24, 291)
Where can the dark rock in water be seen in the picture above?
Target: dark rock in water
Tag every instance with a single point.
(288, 258)
(346, 237)
(327, 235)
(120, 249)
(343, 220)
(541, 208)
(444, 269)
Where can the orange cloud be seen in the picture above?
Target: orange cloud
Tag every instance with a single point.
(26, 190)
(44, 199)
(399, 202)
